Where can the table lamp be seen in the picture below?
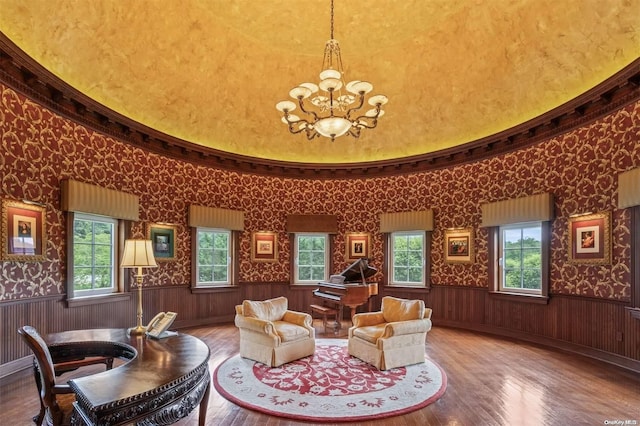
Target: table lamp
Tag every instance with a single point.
(138, 254)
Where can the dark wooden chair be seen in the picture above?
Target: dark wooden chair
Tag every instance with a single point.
(56, 400)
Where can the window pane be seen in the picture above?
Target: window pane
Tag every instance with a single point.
(82, 278)
(103, 256)
(304, 273)
(205, 240)
(512, 278)
(82, 255)
(531, 279)
(220, 273)
(205, 274)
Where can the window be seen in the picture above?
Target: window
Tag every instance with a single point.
(93, 250)
(520, 258)
(311, 258)
(214, 255)
(519, 267)
(408, 259)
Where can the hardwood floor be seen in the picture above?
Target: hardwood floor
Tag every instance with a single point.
(491, 381)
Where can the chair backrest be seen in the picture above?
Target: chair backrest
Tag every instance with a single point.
(45, 364)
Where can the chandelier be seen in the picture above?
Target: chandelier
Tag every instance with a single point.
(332, 112)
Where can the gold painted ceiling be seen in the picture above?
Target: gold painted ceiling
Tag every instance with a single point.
(211, 71)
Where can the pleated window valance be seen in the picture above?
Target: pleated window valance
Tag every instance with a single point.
(213, 217)
(312, 223)
(629, 188)
(518, 210)
(86, 198)
(407, 221)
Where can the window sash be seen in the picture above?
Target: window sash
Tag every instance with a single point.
(512, 259)
(407, 265)
(311, 257)
(94, 259)
(213, 260)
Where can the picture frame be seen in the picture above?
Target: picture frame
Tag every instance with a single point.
(24, 231)
(458, 245)
(590, 239)
(357, 245)
(163, 240)
(264, 246)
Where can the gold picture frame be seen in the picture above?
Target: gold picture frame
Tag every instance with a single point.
(357, 246)
(163, 240)
(264, 246)
(458, 245)
(590, 239)
(24, 231)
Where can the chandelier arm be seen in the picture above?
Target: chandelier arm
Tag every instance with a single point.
(291, 123)
(313, 113)
(347, 115)
(355, 132)
(311, 134)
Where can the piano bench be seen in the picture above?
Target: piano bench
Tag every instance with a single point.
(325, 311)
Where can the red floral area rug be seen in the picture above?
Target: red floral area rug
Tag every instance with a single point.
(329, 386)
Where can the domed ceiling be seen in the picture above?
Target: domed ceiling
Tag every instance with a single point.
(211, 71)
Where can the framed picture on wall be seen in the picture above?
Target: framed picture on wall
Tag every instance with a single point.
(590, 238)
(458, 245)
(357, 245)
(264, 247)
(24, 233)
(163, 240)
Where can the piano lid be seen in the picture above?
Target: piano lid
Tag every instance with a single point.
(357, 269)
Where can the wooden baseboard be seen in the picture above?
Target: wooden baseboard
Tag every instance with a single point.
(14, 366)
(608, 357)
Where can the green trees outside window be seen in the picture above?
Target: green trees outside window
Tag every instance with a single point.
(311, 253)
(214, 247)
(521, 257)
(93, 254)
(408, 258)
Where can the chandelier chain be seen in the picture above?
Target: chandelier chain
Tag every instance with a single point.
(331, 20)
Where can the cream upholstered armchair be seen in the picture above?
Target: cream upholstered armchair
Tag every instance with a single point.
(394, 336)
(272, 334)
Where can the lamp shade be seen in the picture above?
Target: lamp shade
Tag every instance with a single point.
(138, 253)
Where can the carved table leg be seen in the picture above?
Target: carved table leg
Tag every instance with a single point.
(202, 412)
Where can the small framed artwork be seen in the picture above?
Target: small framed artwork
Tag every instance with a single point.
(163, 240)
(24, 233)
(264, 247)
(590, 239)
(357, 245)
(458, 245)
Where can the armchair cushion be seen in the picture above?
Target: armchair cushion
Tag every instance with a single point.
(269, 310)
(394, 309)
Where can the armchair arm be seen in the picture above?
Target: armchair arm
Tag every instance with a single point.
(255, 324)
(367, 318)
(406, 327)
(60, 389)
(299, 318)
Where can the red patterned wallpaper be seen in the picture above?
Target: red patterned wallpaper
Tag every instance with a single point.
(40, 148)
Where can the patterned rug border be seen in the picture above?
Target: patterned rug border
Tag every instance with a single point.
(322, 419)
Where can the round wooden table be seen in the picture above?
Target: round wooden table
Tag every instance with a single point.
(161, 381)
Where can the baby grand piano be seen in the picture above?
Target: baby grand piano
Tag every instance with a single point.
(350, 288)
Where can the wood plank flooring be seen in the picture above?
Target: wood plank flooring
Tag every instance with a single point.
(491, 381)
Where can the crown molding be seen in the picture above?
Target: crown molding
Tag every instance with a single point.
(23, 74)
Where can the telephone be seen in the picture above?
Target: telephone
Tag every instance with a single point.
(159, 325)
